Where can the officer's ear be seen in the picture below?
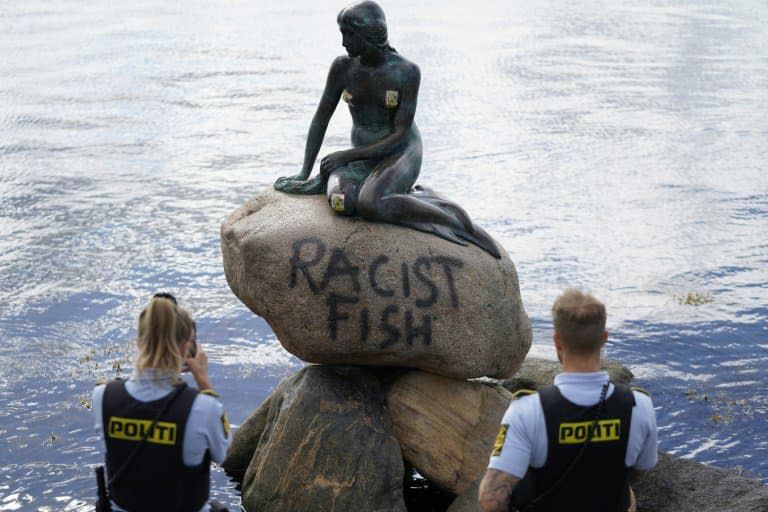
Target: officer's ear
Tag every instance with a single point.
(558, 347)
(558, 342)
(605, 338)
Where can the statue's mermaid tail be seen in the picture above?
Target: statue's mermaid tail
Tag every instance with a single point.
(470, 232)
(314, 185)
(460, 231)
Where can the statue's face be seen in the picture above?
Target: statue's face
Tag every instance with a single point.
(352, 42)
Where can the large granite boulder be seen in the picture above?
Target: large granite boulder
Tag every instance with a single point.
(446, 427)
(322, 441)
(340, 290)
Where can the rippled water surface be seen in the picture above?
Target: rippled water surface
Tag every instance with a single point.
(619, 147)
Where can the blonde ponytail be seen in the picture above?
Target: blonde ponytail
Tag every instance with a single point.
(161, 331)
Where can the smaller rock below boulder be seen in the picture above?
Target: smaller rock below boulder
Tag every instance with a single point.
(680, 485)
(446, 427)
(246, 438)
(537, 372)
(467, 502)
(322, 441)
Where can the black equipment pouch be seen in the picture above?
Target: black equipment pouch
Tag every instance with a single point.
(102, 503)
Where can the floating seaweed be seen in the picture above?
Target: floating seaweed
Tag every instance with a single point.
(694, 299)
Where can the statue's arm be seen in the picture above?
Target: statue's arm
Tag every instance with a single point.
(334, 85)
(392, 142)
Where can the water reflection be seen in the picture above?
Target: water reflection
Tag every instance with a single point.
(615, 147)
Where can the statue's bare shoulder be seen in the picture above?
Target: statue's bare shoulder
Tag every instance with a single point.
(405, 68)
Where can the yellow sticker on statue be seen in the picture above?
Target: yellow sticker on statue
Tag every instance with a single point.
(500, 438)
(346, 96)
(337, 202)
(391, 99)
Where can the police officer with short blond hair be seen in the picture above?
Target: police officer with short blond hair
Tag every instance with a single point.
(571, 445)
(160, 434)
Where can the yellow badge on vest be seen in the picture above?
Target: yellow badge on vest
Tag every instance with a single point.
(225, 425)
(500, 438)
(577, 433)
(129, 429)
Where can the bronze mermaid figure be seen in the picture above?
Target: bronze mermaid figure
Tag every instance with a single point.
(375, 178)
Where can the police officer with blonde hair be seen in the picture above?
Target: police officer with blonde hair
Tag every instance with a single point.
(572, 445)
(161, 434)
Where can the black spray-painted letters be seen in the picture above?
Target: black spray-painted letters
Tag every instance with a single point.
(409, 315)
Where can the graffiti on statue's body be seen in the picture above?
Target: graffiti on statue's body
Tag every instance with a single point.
(327, 271)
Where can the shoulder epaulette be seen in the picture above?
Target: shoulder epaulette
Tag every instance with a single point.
(522, 392)
(210, 392)
(640, 390)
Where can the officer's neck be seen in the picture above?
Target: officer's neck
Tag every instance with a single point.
(578, 363)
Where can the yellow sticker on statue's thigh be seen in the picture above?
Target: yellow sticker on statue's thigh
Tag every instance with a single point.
(337, 202)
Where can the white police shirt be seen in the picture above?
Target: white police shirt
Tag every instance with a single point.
(207, 427)
(525, 442)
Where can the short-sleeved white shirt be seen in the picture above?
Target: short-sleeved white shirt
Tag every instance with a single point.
(525, 444)
(205, 429)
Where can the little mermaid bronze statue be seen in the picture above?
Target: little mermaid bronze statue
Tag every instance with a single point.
(375, 179)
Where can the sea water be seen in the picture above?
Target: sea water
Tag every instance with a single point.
(619, 147)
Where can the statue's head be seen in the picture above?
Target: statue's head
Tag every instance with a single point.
(366, 20)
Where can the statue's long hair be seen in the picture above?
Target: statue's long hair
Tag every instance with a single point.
(367, 20)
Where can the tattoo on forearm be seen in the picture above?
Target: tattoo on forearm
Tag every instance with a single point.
(495, 490)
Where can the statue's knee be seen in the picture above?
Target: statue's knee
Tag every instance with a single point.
(367, 206)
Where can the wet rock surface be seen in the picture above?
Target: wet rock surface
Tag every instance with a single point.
(446, 427)
(322, 441)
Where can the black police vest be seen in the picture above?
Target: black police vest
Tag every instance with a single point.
(599, 482)
(157, 479)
